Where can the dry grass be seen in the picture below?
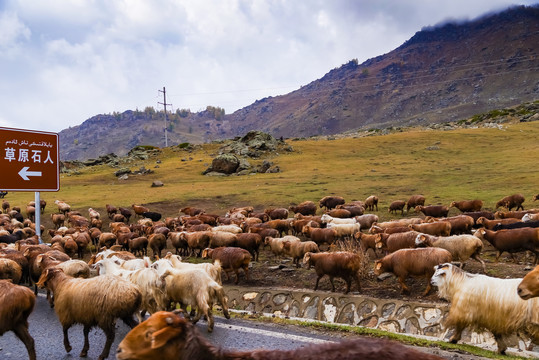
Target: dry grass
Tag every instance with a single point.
(470, 163)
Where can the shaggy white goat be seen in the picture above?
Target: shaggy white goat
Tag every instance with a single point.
(485, 303)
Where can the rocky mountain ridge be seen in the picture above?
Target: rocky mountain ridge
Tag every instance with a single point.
(442, 75)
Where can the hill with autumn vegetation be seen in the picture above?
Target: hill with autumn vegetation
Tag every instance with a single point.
(442, 74)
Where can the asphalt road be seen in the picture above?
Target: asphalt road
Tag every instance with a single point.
(233, 334)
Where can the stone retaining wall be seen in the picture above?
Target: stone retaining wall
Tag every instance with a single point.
(397, 316)
(384, 314)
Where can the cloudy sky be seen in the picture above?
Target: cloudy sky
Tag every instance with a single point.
(64, 61)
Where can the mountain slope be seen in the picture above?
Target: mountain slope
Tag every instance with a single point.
(446, 73)
(441, 74)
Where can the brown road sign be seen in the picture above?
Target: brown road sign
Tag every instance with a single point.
(29, 160)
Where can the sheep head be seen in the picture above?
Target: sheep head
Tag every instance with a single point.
(162, 336)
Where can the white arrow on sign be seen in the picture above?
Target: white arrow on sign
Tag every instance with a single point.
(24, 173)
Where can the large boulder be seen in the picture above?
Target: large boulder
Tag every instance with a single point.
(224, 163)
(253, 144)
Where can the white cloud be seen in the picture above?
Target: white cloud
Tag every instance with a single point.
(12, 31)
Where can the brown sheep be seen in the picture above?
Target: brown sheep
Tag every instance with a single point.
(297, 225)
(320, 235)
(354, 210)
(96, 301)
(70, 246)
(514, 214)
(371, 202)
(77, 221)
(196, 240)
(157, 242)
(191, 211)
(94, 236)
(529, 286)
(231, 258)
(117, 218)
(340, 213)
(178, 243)
(397, 205)
(17, 305)
(467, 205)
(298, 249)
(366, 221)
(138, 245)
(512, 241)
(111, 210)
(277, 213)
(437, 228)
(106, 239)
(222, 238)
(248, 222)
(374, 229)
(58, 220)
(433, 210)
(278, 224)
(489, 224)
(31, 213)
(460, 224)
(139, 209)
(126, 214)
(168, 336)
(260, 215)
(199, 227)
(415, 262)
(414, 201)
(207, 219)
(5, 206)
(276, 244)
(511, 201)
(304, 208)
(397, 241)
(250, 242)
(264, 232)
(368, 241)
(330, 202)
(10, 270)
(63, 207)
(343, 264)
(20, 259)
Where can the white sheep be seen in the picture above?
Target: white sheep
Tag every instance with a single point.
(152, 289)
(196, 288)
(530, 217)
(214, 270)
(328, 219)
(97, 301)
(344, 230)
(233, 228)
(482, 302)
(461, 247)
(132, 264)
(94, 214)
(75, 268)
(276, 244)
(110, 267)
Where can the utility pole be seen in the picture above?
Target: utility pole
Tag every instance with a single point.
(164, 103)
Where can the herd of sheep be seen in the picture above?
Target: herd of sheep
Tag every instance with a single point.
(423, 245)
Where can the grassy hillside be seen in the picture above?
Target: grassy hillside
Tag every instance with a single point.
(462, 164)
